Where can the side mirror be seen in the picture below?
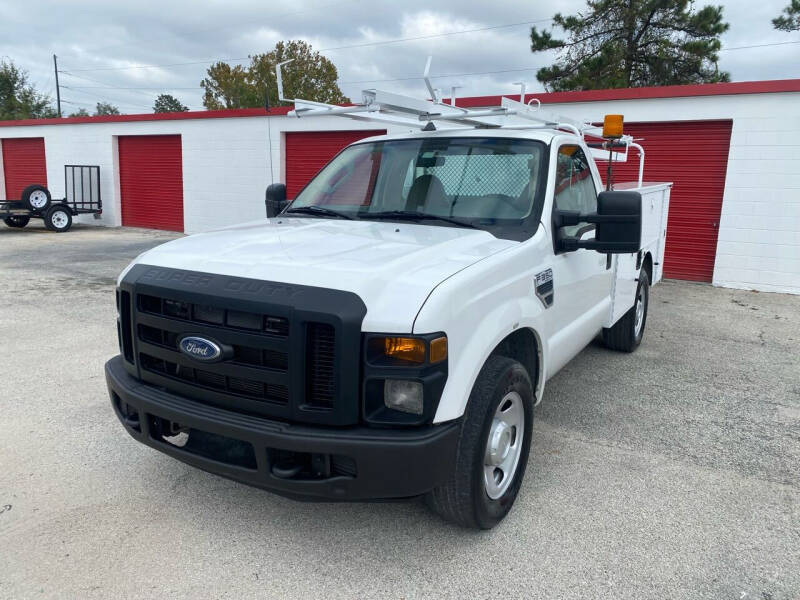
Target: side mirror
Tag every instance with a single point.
(276, 199)
(619, 224)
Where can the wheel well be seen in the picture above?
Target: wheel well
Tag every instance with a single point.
(522, 346)
(647, 265)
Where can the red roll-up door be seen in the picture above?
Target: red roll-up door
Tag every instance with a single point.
(151, 181)
(693, 155)
(23, 164)
(308, 151)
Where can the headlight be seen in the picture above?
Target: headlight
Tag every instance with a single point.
(404, 377)
(403, 395)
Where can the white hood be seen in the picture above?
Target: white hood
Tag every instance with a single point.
(391, 266)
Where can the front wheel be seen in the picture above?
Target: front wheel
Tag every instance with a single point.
(58, 219)
(492, 450)
(627, 333)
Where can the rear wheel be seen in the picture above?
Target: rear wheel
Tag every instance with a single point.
(493, 448)
(627, 333)
(36, 198)
(58, 219)
(17, 222)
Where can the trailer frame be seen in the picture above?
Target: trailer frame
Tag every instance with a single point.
(81, 196)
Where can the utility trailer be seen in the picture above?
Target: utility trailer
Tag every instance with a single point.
(82, 197)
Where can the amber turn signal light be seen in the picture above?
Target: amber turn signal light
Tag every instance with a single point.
(438, 350)
(612, 126)
(403, 348)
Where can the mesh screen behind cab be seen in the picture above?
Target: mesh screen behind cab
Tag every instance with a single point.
(484, 174)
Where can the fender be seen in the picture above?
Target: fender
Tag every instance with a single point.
(477, 325)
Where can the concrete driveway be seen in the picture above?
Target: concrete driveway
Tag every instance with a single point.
(670, 473)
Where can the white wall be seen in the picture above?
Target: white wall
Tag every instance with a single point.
(226, 161)
(226, 168)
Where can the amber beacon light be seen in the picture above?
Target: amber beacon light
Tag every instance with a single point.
(612, 126)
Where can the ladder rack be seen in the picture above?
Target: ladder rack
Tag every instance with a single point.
(397, 109)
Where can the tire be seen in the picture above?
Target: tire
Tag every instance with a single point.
(17, 222)
(468, 498)
(58, 219)
(36, 198)
(627, 333)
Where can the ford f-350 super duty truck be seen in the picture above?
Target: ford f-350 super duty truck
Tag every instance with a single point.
(388, 333)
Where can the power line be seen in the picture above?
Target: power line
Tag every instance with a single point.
(758, 46)
(196, 62)
(381, 43)
(149, 96)
(93, 104)
(411, 78)
(111, 87)
(111, 100)
(407, 78)
(145, 94)
(435, 35)
(360, 45)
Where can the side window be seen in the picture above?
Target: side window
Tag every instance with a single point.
(574, 186)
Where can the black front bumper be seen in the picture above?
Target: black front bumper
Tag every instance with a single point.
(382, 463)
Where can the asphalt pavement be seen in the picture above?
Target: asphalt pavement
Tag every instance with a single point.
(673, 472)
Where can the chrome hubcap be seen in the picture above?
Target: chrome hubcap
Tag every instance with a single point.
(59, 220)
(639, 322)
(38, 199)
(504, 445)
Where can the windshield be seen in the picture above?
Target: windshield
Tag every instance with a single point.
(481, 182)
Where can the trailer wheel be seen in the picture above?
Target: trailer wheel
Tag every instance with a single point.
(36, 198)
(16, 222)
(58, 219)
(492, 450)
(627, 333)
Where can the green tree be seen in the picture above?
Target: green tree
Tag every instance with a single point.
(167, 103)
(81, 112)
(18, 98)
(633, 43)
(310, 76)
(105, 108)
(789, 20)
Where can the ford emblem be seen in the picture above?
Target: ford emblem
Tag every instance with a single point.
(200, 348)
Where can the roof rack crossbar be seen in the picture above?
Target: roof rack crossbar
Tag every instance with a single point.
(414, 113)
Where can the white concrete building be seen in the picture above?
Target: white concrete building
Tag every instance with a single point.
(733, 151)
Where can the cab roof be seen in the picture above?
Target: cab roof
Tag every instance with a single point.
(542, 135)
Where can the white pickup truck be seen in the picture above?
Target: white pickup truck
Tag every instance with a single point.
(388, 333)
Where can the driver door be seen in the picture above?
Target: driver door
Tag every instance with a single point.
(581, 278)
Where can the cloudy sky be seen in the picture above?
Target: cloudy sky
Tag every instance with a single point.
(127, 53)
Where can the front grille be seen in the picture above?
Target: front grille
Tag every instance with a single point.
(246, 355)
(211, 315)
(320, 365)
(254, 390)
(162, 322)
(124, 325)
(288, 352)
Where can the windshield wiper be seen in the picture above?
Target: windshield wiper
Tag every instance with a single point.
(415, 216)
(313, 209)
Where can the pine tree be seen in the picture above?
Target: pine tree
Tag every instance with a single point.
(633, 43)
